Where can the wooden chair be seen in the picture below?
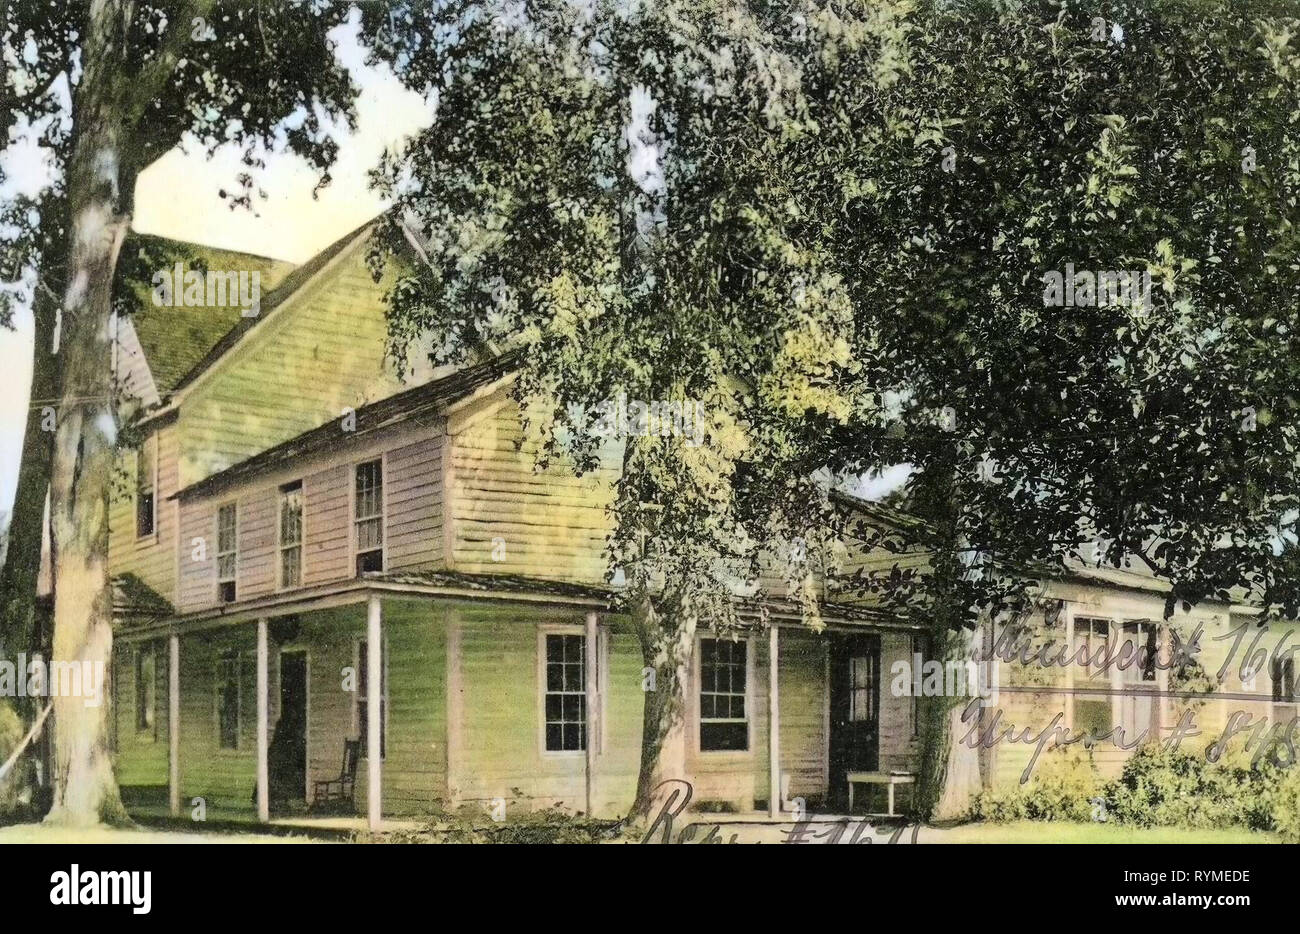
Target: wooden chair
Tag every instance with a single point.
(340, 789)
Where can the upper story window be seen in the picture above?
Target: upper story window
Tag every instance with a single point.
(369, 516)
(724, 723)
(227, 555)
(291, 534)
(145, 474)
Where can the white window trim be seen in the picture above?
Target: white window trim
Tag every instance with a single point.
(356, 694)
(217, 552)
(279, 532)
(239, 704)
(694, 700)
(558, 629)
(353, 551)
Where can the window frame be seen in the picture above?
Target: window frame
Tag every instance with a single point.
(697, 665)
(354, 550)
(218, 553)
(293, 486)
(152, 533)
(358, 696)
(236, 656)
(563, 629)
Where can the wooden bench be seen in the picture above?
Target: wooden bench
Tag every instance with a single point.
(889, 779)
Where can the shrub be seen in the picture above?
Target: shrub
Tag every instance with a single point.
(1062, 788)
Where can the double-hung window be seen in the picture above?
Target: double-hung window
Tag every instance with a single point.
(1092, 711)
(227, 556)
(369, 516)
(363, 698)
(1140, 698)
(565, 698)
(724, 714)
(145, 474)
(291, 534)
(1282, 671)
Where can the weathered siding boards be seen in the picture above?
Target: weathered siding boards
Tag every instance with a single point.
(319, 352)
(151, 558)
(412, 519)
(509, 518)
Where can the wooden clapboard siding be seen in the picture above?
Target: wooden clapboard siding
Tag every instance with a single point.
(223, 778)
(509, 518)
(197, 561)
(317, 353)
(500, 751)
(412, 520)
(152, 558)
(803, 698)
(139, 757)
(413, 513)
(258, 521)
(415, 762)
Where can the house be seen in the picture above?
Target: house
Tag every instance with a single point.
(323, 554)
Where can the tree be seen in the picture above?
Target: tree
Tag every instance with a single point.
(610, 192)
(141, 78)
(1048, 428)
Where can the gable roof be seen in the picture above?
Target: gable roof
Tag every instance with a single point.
(286, 286)
(424, 401)
(176, 338)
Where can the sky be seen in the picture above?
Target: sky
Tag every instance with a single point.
(178, 197)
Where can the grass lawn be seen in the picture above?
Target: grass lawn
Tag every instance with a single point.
(1054, 832)
(40, 833)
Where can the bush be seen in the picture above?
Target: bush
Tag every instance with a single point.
(1062, 788)
(1161, 788)
(471, 825)
(15, 789)
(1286, 806)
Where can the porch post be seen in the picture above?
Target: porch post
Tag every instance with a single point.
(263, 777)
(374, 697)
(174, 724)
(773, 727)
(590, 688)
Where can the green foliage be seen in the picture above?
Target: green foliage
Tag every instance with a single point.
(14, 790)
(471, 825)
(1063, 788)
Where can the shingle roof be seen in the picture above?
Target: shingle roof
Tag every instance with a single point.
(176, 338)
(425, 401)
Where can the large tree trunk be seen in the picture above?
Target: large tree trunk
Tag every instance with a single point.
(667, 652)
(99, 181)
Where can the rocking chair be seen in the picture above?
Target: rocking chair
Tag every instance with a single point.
(339, 790)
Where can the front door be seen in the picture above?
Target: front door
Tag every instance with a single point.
(288, 752)
(855, 709)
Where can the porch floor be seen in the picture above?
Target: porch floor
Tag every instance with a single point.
(235, 820)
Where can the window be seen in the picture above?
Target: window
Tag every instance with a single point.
(227, 557)
(146, 687)
(862, 688)
(369, 516)
(566, 693)
(1092, 712)
(228, 700)
(291, 534)
(1140, 667)
(724, 724)
(145, 466)
(363, 699)
(1282, 671)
